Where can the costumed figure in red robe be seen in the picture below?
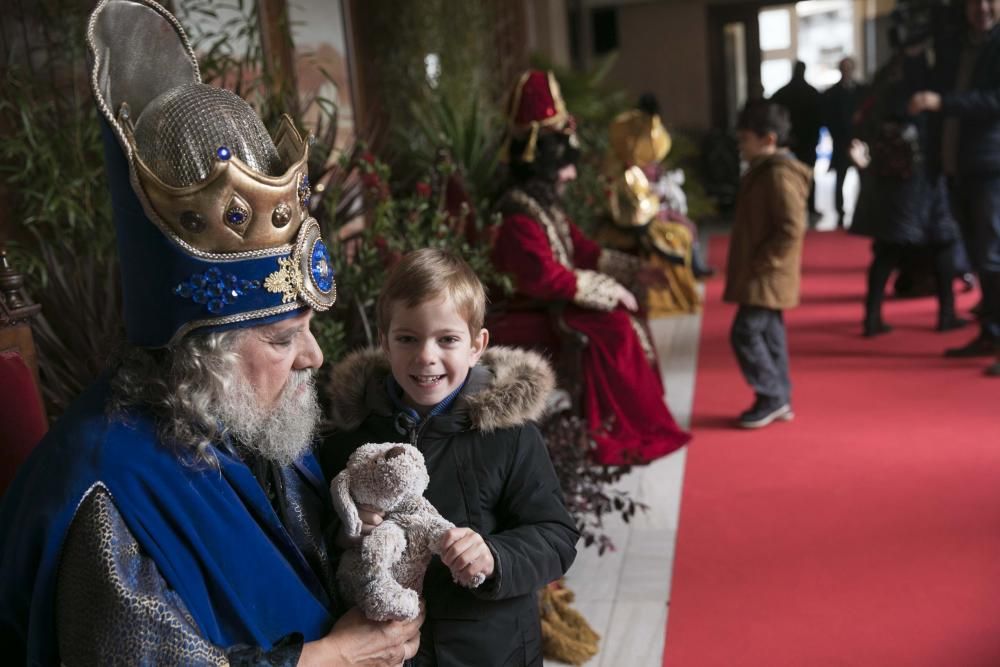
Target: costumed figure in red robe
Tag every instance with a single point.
(551, 260)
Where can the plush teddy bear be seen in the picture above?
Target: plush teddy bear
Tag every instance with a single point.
(384, 574)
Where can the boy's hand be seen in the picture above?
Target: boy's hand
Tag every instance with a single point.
(370, 517)
(465, 553)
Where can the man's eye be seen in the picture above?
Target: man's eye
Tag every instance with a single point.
(281, 343)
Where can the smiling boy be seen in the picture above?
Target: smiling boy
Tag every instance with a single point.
(470, 411)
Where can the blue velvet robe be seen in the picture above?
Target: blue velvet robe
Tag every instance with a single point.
(212, 533)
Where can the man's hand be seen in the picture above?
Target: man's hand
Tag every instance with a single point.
(371, 518)
(925, 100)
(626, 298)
(357, 641)
(465, 553)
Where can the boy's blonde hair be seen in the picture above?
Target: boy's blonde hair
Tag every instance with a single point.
(425, 275)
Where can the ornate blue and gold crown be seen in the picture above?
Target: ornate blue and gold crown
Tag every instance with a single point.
(211, 213)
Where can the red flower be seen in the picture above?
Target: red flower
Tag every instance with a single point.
(368, 157)
(423, 190)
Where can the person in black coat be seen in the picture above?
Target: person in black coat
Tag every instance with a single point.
(490, 472)
(903, 205)
(966, 102)
(803, 104)
(840, 104)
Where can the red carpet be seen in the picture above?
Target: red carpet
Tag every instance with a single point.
(867, 531)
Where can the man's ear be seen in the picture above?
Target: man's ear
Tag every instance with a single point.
(479, 343)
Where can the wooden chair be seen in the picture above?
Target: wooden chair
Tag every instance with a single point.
(22, 409)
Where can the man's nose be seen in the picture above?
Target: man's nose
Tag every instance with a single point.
(310, 355)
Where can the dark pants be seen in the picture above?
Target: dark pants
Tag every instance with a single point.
(838, 194)
(887, 257)
(976, 204)
(758, 340)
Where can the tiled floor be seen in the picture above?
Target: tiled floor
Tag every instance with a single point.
(625, 594)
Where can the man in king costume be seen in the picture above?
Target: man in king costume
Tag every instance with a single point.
(551, 260)
(175, 514)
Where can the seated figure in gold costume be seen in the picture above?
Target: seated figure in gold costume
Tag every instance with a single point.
(640, 220)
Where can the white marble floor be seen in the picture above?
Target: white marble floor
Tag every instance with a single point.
(625, 594)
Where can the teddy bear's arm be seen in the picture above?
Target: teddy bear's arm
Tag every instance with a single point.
(384, 545)
(436, 525)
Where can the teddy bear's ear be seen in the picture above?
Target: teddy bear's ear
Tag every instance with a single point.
(340, 491)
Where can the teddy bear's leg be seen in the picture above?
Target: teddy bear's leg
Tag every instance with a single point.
(382, 597)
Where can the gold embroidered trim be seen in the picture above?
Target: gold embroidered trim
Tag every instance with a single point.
(287, 280)
(555, 225)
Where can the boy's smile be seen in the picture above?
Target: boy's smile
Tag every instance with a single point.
(431, 350)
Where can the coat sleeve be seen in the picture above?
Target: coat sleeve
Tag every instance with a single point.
(538, 543)
(982, 103)
(522, 250)
(586, 252)
(787, 211)
(112, 604)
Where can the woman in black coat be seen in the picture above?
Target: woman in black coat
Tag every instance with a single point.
(903, 206)
(490, 471)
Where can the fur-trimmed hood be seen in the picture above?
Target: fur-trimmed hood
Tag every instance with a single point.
(509, 387)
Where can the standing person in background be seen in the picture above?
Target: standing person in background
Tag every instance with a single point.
(840, 104)
(765, 252)
(968, 102)
(903, 206)
(803, 104)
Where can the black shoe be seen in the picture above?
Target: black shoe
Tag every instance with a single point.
(872, 329)
(951, 323)
(981, 346)
(765, 411)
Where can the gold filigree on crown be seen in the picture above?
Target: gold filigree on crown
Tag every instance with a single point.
(236, 208)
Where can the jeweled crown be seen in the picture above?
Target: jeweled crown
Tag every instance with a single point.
(212, 214)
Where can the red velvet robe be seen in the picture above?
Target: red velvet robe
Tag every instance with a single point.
(623, 393)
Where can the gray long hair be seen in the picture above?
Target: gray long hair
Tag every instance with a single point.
(181, 387)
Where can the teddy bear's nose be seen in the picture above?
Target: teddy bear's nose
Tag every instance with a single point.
(394, 452)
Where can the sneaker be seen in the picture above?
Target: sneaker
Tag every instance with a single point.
(981, 346)
(765, 411)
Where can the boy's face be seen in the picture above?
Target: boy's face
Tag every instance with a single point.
(431, 350)
(753, 145)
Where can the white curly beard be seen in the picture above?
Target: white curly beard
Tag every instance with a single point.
(281, 434)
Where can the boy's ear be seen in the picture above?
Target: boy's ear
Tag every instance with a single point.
(772, 138)
(479, 343)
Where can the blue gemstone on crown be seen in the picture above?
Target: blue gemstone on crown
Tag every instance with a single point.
(321, 267)
(214, 289)
(223, 153)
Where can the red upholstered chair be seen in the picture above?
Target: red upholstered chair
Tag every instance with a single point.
(22, 412)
